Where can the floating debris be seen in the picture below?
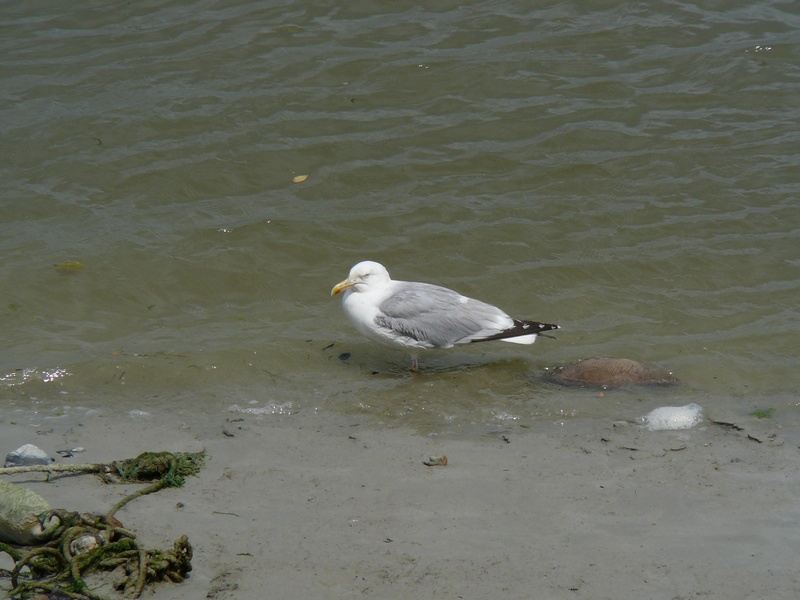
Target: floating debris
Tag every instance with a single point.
(435, 461)
(609, 373)
(69, 267)
(299, 178)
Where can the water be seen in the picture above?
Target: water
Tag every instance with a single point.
(629, 171)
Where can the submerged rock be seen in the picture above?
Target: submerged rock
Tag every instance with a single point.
(611, 373)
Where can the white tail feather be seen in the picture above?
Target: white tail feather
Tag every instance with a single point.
(521, 339)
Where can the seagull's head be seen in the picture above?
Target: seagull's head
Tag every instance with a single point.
(362, 277)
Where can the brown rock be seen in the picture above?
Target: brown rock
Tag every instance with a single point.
(611, 373)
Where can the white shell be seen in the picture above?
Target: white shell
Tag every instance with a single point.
(86, 543)
(27, 455)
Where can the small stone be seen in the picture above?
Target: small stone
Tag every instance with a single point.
(27, 455)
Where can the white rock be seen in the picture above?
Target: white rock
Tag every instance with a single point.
(673, 417)
(27, 455)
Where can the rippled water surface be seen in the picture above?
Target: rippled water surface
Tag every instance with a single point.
(628, 170)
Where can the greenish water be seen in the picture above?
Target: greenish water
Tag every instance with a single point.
(629, 171)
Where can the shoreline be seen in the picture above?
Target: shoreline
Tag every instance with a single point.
(307, 507)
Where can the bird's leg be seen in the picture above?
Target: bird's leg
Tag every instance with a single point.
(414, 364)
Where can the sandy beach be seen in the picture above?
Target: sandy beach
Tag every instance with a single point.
(303, 507)
(185, 183)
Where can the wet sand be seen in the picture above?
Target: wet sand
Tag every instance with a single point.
(302, 507)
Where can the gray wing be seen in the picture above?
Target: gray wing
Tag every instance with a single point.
(437, 317)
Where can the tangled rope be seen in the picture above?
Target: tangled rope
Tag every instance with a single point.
(87, 543)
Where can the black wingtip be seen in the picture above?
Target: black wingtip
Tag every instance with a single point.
(528, 327)
(519, 329)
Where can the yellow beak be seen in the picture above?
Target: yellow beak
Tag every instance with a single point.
(342, 286)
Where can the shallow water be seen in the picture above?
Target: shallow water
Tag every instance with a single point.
(627, 171)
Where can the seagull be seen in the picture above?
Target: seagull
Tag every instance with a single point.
(416, 316)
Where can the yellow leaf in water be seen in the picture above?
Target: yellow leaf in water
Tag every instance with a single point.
(68, 267)
(299, 178)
